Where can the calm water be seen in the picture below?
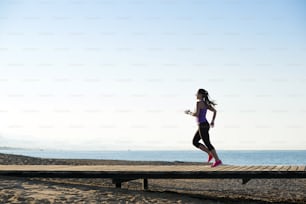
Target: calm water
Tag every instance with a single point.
(228, 157)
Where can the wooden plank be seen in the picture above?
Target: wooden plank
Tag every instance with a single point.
(277, 168)
(223, 168)
(301, 168)
(250, 168)
(232, 168)
(293, 168)
(259, 168)
(288, 167)
(269, 168)
(263, 168)
(266, 168)
(243, 168)
(200, 168)
(239, 168)
(247, 168)
(283, 168)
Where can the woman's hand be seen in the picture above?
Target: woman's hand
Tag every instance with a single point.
(187, 112)
(212, 124)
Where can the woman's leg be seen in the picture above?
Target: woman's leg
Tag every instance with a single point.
(205, 136)
(196, 143)
(214, 153)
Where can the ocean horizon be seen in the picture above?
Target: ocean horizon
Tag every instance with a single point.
(229, 157)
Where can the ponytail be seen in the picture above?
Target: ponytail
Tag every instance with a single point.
(208, 101)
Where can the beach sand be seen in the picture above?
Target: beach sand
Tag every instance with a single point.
(38, 190)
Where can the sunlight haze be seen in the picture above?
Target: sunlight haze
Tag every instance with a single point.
(118, 75)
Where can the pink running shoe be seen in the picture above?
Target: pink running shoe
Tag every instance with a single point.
(210, 157)
(217, 163)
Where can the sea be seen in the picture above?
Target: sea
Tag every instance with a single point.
(230, 157)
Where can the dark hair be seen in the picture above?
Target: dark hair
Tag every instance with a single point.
(206, 97)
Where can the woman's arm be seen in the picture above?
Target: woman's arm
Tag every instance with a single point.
(197, 110)
(211, 108)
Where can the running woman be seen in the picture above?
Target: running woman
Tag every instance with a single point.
(203, 104)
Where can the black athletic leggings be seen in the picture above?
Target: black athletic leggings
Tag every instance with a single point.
(202, 133)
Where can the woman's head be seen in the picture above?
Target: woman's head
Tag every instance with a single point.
(202, 94)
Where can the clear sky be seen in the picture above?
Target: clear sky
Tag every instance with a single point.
(118, 74)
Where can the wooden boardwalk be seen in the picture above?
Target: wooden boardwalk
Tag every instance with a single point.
(123, 173)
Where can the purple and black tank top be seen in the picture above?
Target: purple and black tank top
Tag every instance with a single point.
(202, 115)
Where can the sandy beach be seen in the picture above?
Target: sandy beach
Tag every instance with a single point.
(34, 190)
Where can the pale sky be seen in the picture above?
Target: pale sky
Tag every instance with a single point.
(117, 75)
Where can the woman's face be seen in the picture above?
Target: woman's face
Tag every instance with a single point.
(199, 96)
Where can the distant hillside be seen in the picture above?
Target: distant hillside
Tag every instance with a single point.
(12, 148)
